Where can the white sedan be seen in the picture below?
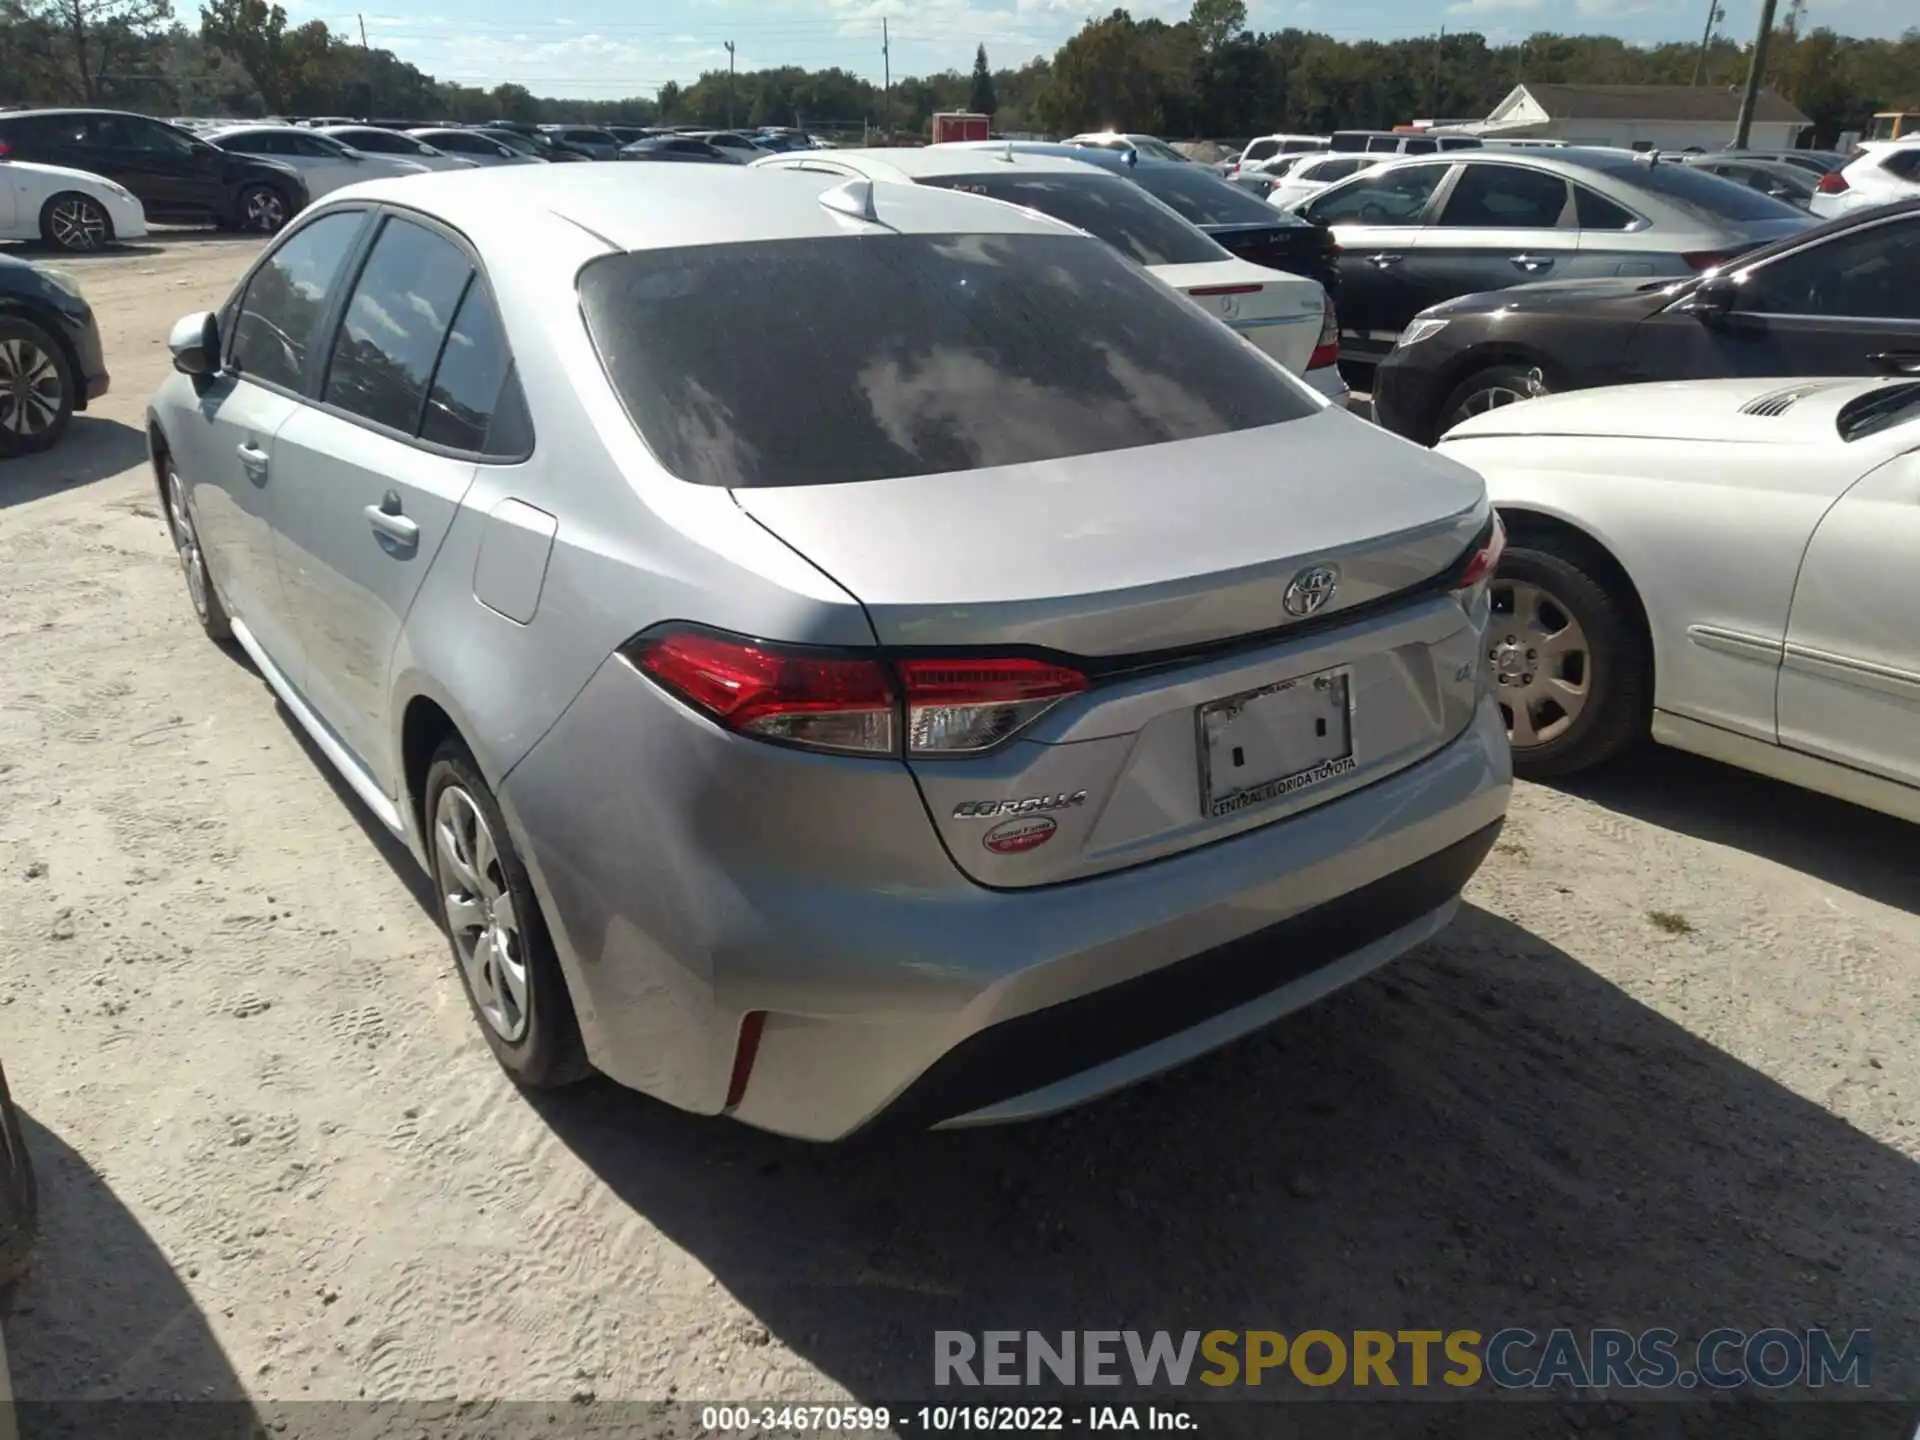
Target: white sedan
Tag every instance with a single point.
(67, 209)
(326, 164)
(372, 140)
(1314, 173)
(1729, 565)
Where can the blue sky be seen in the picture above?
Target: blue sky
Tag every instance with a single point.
(602, 48)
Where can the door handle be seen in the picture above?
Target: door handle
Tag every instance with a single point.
(1381, 262)
(387, 520)
(252, 456)
(1532, 264)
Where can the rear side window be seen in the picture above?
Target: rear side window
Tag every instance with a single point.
(1105, 206)
(1595, 212)
(285, 300)
(809, 362)
(1505, 197)
(1330, 170)
(1260, 150)
(1694, 189)
(475, 402)
(389, 339)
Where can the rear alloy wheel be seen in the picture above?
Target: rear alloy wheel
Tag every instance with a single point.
(1489, 389)
(36, 388)
(75, 222)
(263, 210)
(193, 560)
(1565, 661)
(500, 941)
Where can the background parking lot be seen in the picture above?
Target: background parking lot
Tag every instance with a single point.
(1662, 1071)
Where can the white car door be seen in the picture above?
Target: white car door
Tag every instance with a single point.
(1850, 675)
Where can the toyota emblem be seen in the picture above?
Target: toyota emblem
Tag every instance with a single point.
(1310, 590)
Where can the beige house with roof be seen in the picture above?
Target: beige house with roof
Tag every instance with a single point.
(1637, 117)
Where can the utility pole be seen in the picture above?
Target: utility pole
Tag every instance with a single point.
(363, 30)
(729, 84)
(1756, 68)
(886, 90)
(1714, 16)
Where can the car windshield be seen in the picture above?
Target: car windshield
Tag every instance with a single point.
(1695, 189)
(1105, 206)
(845, 359)
(1205, 199)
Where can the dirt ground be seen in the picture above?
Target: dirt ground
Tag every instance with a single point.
(1662, 1071)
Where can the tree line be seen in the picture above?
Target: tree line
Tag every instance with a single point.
(1206, 75)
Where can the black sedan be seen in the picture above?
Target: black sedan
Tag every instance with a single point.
(1838, 299)
(1236, 219)
(50, 359)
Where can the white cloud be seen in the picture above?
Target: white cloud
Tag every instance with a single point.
(1490, 7)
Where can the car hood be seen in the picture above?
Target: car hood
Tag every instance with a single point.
(1766, 411)
(1629, 296)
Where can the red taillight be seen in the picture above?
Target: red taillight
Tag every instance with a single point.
(1704, 259)
(1832, 183)
(1203, 291)
(823, 702)
(5, 149)
(1326, 350)
(959, 706)
(1483, 562)
(849, 704)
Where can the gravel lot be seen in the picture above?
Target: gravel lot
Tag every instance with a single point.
(1661, 1072)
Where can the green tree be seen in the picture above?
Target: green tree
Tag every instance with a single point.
(980, 97)
(84, 39)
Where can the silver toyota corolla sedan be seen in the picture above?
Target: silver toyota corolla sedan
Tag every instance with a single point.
(845, 654)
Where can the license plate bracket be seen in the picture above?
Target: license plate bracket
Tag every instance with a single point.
(1277, 740)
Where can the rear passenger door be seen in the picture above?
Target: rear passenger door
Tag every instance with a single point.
(417, 388)
(1499, 225)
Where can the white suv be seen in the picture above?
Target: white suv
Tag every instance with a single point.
(1884, 171)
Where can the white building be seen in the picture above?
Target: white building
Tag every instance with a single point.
(1638, 117)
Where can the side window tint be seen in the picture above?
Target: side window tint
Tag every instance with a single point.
(390, 336)
(1394, 197)
(467, 391)
(1864, 274)
(1506, 197)
(1596, 212)
(287, 297)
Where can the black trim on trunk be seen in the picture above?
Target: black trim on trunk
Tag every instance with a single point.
(1038, 1049)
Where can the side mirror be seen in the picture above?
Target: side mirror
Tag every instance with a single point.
(1903, 364)
(1711, 299)
(195, 343)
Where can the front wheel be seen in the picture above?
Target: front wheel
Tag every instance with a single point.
(75, 223)
(264, 209)
(36, 388)
(207, 608)
(1566, 661)
(500, 942)
(1489, 389)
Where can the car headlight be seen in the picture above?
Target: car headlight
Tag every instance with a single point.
(1419, 330)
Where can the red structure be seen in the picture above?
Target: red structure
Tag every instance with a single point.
(959, 125)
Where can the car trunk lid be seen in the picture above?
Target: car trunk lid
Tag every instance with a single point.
(1279, 313)
(1171, 576)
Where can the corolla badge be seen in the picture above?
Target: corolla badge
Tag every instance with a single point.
(1310, 590)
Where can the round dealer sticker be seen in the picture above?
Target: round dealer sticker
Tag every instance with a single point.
(1016, 836)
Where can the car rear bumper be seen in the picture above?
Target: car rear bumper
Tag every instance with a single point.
(692, 879)
(1330, 383)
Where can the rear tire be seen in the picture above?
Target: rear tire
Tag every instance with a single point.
(19, 1195)
(1567, 661)
(37, 393)
(263, 209)
(1489, 389)
(75, 223)
(501, 947)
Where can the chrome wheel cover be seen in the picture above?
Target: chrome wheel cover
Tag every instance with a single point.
(78, 224)
(478, 905)
(31, 392)
(266, 211)
(1492, 397)
(1539, 663)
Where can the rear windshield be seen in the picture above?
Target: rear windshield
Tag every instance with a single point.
(1695, 189)
(1105, 206)
(1205, 199)
(809, 362)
